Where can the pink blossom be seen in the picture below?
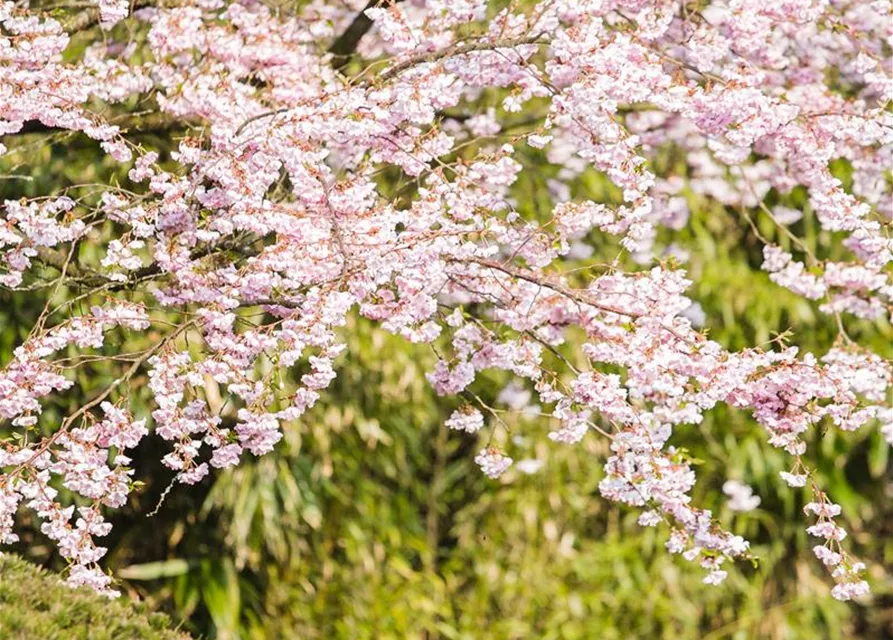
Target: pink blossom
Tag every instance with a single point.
(492, 462)
(466, 419)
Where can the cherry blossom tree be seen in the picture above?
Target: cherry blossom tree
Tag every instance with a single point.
(359, 158)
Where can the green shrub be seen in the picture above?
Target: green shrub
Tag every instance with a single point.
(36, 605)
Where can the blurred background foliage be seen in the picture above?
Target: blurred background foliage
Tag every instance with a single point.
(371, 521)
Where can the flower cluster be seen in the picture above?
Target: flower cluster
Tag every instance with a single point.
(845, 570)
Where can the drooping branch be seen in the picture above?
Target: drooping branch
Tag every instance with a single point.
(475, 262)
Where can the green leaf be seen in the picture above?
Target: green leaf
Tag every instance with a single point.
(155, 570)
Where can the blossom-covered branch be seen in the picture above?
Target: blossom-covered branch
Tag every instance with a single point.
(325, 180)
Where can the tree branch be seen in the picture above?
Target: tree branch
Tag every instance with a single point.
(346, 44)
(434, 56)
(89, 18)
(144, 123)
(89, 279)
(544, 280)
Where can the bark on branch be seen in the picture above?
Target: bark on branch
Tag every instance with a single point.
(346, 44)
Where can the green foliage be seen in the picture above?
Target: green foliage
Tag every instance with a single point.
(36, 604)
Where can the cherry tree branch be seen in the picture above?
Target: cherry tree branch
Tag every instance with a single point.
(346, 44)
(479, 45)
(549, 283)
